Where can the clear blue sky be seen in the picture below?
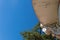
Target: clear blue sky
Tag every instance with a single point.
(16, 16)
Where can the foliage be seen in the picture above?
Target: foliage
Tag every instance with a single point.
(36, 35)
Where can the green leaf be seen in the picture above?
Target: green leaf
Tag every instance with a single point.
(35, 35)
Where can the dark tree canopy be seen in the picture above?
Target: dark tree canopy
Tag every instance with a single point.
(36, 35)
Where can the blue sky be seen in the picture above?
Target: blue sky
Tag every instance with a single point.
(16, 16)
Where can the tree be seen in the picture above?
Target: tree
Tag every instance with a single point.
(36, 35)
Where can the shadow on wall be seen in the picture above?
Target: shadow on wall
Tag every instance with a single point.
(59, 14)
